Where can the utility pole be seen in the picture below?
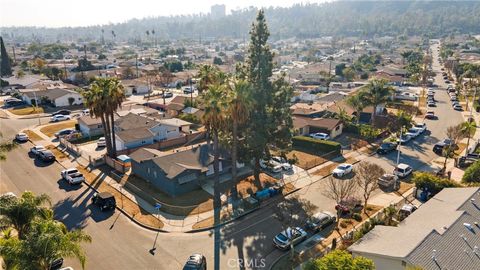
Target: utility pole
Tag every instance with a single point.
(136, 63)
(399, 145)
(65, 69)
(36, 106)
(191, 92)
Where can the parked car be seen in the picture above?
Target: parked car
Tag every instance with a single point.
(282, 162)
(386, 147)
(320, 221)
(86, 112)
(168, 94)
(56, 264)
(455, 103)
(342, 170)
(37, 149)
(196, 262)
(431, 104)
(421, 126)
(46, 156)
(187, 90)
(404, 139)
(320, 136)
(104, 200)
(288, 237)
(388, 180)
(406, 210)
(452, 98)
(439, 146)
(60, 117)
(458, 107)
(402, 170)
(270, 166)
(21, 137)
(101, 142)
(348, 206)
(72, 176)
(62, 112)
(430, 115)
(64, 132)
(413, 132)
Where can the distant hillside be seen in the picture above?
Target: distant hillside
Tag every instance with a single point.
(358, 18)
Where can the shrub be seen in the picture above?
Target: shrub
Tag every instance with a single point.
(316, 145)
(472, 173)
(343, 224)
(357, 217)
(432, 183)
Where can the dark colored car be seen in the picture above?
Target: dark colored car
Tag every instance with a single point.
(439, 146)
(196, 262)
(168, 95)
(386, 147)
(104, 200)
(46, 156)
(64, 132)
(56, 264)
(62, 112)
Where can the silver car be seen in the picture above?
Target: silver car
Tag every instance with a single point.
(288, 237)
(320, 220)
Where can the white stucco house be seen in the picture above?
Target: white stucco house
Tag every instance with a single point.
(56, 97)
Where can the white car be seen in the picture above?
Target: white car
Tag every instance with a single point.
(37, 149)
(288, 237)
(320, 136)
(21, 137)
(60, 117)
(342, 169)
(72, 176)
(270, 166)
(458, 107)
(420, 126)
(404, 139)
(282, 162)
(320, 220)
(413, 132)
(101, 142)
(402, 170)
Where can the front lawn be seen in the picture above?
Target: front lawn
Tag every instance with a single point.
(34, 137)
(306, 160)
(51, 129)
(26, 110)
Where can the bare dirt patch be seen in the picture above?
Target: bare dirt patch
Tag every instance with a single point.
(33, 136)
(51, 129)
(26, 110)
(59, 155)
(306, 160)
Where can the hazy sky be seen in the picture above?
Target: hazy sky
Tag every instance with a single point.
(56, 13)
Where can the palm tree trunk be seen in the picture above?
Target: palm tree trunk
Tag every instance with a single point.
(107, 135)
(216, 202)
(109, 138)
(114, 143)
(234, 155)
(256, 171)
(374, 114)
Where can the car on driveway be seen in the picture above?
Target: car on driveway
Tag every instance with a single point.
(167, 95)
(60, 117)
(458, 107)
(64, 132)
(196, 261)
(320, 221)
(386, 147)
(104, 200)
(320, 136)
(413, 132)
(421, 126)
(270, 166)
(282, 162)
(404, 139)
(21, 137)
(37, 149)
(402, 170)
(62, 112)
(348, 205)
(342, 170)
(430, 115)
(289, 237)
(439, 146)
(101, 142)
(72, 176)
(46, 156)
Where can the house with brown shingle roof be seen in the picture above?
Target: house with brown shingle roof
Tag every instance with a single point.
(306, 125)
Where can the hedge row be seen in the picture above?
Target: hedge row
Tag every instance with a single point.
(315, 144)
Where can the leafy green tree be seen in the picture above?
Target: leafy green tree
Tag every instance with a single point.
(5, 147)
(208, 75)
(217, 61)
(358, 102)
(340, 260)
(472, 173)
(19, 213)
(377, 92)
(339, 69)
(434, 184)
(349, 74)
(271, 122)
(5, 65)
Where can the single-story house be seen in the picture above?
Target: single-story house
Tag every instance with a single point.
(305, 126)
(135, 87)
(90, 126)
(393, 71)
(193, 111)
(443, 233)
(56, 97)
(132, 138)
(175, 173)
(314, 110)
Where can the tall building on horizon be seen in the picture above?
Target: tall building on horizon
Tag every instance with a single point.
(217, 11)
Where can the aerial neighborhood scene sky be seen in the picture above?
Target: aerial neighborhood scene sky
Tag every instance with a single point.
(239, 135)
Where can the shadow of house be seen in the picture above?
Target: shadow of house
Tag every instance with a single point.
(176, 173)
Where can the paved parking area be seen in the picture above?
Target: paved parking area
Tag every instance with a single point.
(92, 150)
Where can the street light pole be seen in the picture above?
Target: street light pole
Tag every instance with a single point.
(399, 144)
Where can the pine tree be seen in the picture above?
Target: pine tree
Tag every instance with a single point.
(271, 121)
(5, 66)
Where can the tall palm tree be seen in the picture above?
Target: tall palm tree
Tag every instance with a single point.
(19, 213)
(208, 75)
(103, 99)
(239, 107)
(358, 102)
(376, 92)
(468, 130)
(214, 102)
(47, 241)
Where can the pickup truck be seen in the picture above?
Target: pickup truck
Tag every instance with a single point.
(72, 176)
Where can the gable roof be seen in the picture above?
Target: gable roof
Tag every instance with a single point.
(175, 122)
(173, 164)
(437, 224)
(51, 94)
(131, 135)
(326, 123)
(134, 121)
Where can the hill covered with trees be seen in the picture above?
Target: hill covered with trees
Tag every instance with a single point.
(346, 18)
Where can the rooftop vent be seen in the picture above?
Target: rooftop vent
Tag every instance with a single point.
(469, 226)
(434, 255)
